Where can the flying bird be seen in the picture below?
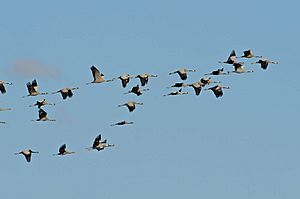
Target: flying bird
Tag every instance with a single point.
(182, 72)
(231, 59)
(125, 79)
(144, 78)
(131, 105)
(264, 63)
(207, 80)
(179, 92)
(32, 88)
(249, 54)
(27, 154)
(41, 103)
(197, 86)
(124, 122)
(5, 109)
(217, 90)
(137, 90)
(178, 85)
(217, 72)
(43, 116)
(62, 150)
(66, 92)
(240, 68)
(2, 87)
(98, 77)
(99, 145)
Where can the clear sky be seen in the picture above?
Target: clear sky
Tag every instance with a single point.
(243, 145)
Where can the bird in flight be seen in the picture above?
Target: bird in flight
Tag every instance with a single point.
(27, 154)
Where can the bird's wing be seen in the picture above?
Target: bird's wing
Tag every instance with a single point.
(97, 141)
(42, 113)
(28, 157)
(70, 93)
(62, 149)
(232, 54)
(197, 90)
(34, 85)
(2, 88)
(64, 95)
(29, 87)
(183, 76)
(96, 73)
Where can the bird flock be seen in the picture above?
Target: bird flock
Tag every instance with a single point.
(98, 77)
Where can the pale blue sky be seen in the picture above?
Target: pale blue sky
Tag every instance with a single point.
(243, 145)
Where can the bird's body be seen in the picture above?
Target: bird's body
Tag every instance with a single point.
(231, 59)
(137, 90)
(179, 92)
(32, 88)
(27, 154)
(130, 105)
(182, 72)
(264, 63)
(62, 150)
(98, 77)
(124, 122)
(217, 72)
(249, 54)
(99, 145)
(41, 103)
(2, 87)
(144, 78)
(240, 68)
(217, 90)
(43, 116)
(66, 92)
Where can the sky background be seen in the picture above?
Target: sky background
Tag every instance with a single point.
(243, 145)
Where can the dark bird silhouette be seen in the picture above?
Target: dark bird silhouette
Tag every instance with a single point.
(98, 77)
(99, 145)
(43, 116)
(66, 92)
(231, 59)
(182, 72)
(144, 78)
(178, 85)
(41, 103)
(137, 90)
(217, 90)
(249, 54)
(27, 154)
(124, 122)
(2, 87)
(217, 72)
(32, 88)
(264, 63)
(62, 150)
(130, 105)
(179, 92)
